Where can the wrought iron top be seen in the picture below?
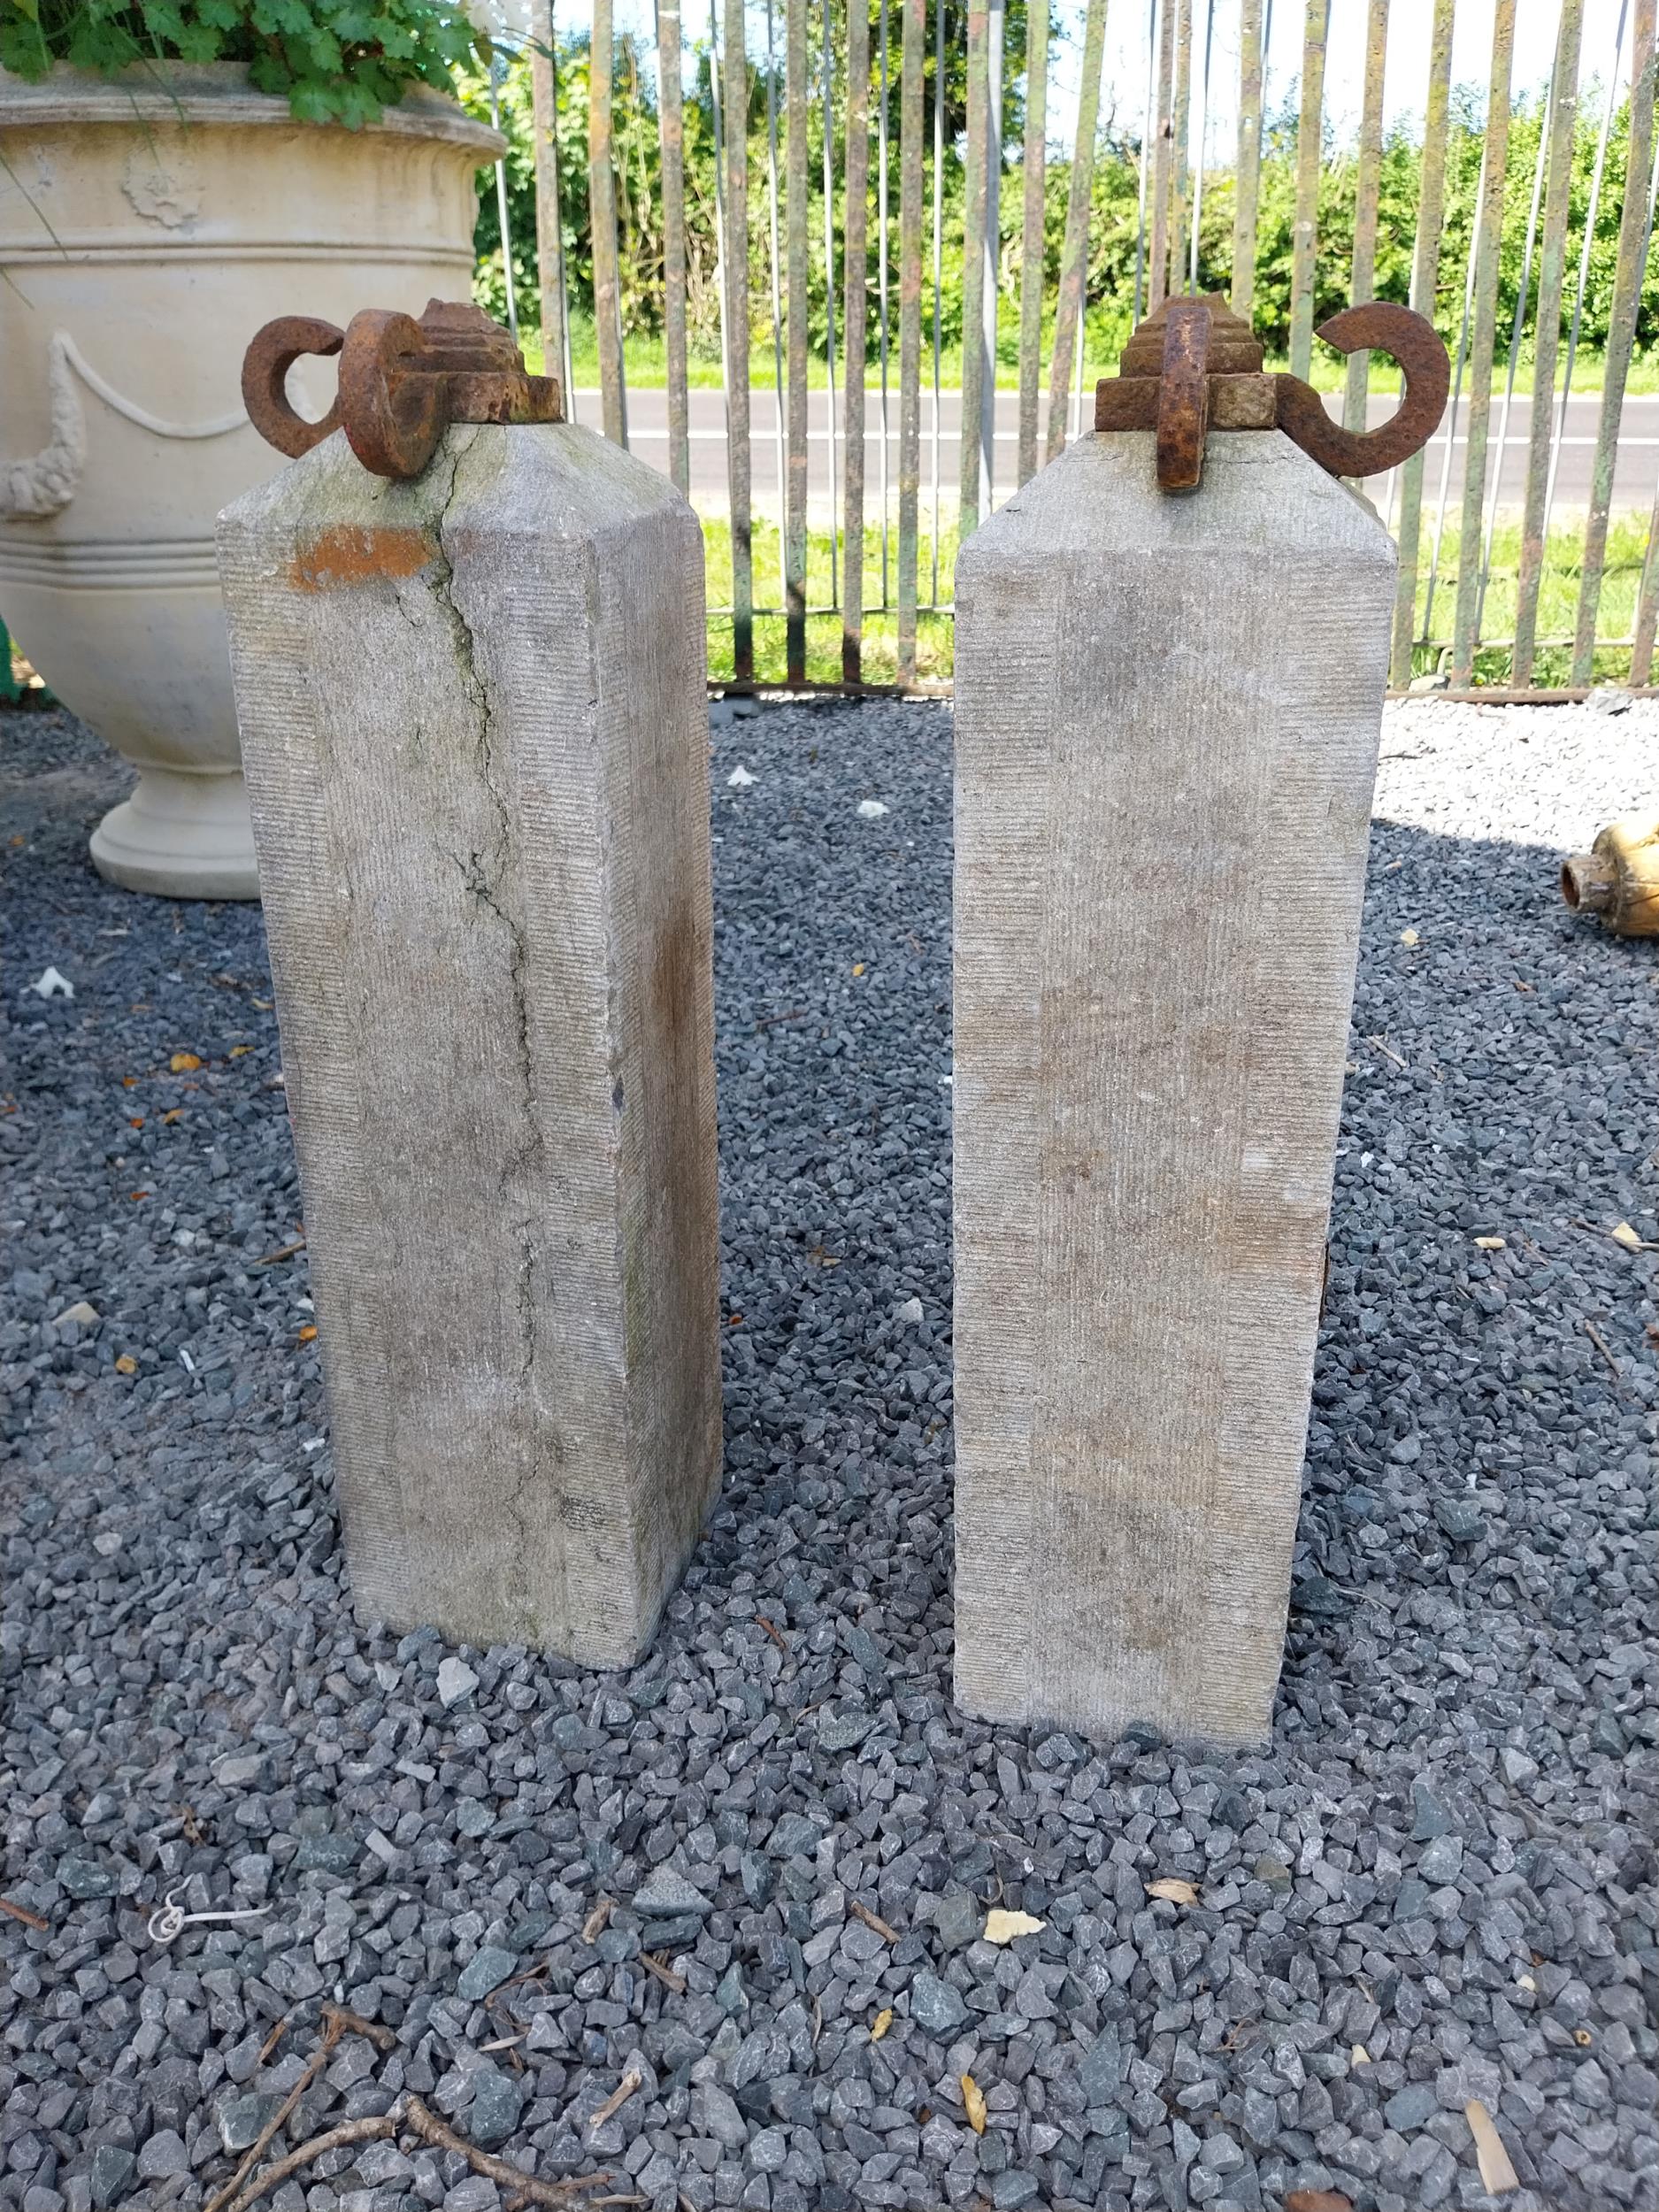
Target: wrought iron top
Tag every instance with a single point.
(401, 382)
(1194, 366)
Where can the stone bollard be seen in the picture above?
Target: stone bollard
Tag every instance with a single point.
(473, 720)
(1167, 712)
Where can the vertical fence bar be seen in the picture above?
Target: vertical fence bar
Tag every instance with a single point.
(1449, 447)
(1646, 604)
(738, 458)
(502, 216)
(1551, 260)
(795, 250)
(996, 23)
(913, 62)
(1247, 171)
(720, 217)
(1078, 369)
(1180, 147)
(1425, 266)
(602, 203)
(856, 274)
(1590, 213)
(1488, 239)
(829, 293)
(550, 255)
(939, 257)
(883, 205)
(1143, 166)
(1031, 253)
(973, 272)
(1203, 142)
(1524, 292)
(1309, 146)
(1632, 241)
(1367, 189)
(1080, 194)
(774, 267)
(1163, 151)
(671, 130)
(1647, 596)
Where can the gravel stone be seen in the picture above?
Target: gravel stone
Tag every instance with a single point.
(1443, 1860)
(241, 2120)
(162, 2156)
(497, 2100)
(1464, 1519)
(1013, 2187)
(486, 1970)
(665, 1892)
(958, 1918)
(1411, 2109)
(111, 2175)
(936, 2006)
(456, 1681)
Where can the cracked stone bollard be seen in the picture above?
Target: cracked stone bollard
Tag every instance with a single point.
(1167, 712)
(472, 713)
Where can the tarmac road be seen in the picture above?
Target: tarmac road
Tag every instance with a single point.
(1635, 473)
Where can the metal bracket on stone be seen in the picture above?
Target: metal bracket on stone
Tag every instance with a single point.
(1194, 367)
(401, 382)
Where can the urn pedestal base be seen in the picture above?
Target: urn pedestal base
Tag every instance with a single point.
(180, 836)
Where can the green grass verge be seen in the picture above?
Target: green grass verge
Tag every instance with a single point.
(1558, 604)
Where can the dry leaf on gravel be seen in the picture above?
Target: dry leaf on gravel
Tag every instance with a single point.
(1002, 1927)
(1175, 1892)
(973, 2103)
(883, 2021)
(1317, 2201)
(182, 1063)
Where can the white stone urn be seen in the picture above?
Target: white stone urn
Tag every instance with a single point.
(149, 226)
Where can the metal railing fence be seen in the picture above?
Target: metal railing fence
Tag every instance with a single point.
(877, 567)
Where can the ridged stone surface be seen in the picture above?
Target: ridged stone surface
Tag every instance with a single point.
(473, 721)
(1167, 719)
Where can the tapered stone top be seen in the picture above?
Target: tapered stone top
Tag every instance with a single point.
(474, 729)
(1167, 715)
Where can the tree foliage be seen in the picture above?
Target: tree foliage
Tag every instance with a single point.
(1114, 229)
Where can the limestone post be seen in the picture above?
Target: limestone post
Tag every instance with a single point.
(1167, 711)
(472, 715)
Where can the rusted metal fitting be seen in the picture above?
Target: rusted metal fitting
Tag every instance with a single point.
(1194, 366)
(1617, 879)
(401, 382)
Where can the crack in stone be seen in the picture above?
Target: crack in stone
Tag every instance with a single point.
(529, 1155)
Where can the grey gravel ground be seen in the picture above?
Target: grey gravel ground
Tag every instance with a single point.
(1437, 1885)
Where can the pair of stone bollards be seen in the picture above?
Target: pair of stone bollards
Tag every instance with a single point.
(471, 693)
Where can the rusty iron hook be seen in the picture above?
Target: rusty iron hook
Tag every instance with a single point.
(265, 371)
(1406, 337)
(401, 382)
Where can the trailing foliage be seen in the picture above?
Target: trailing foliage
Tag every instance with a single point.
(333, 61)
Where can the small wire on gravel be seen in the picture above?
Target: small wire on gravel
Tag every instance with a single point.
(1436, 1887)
